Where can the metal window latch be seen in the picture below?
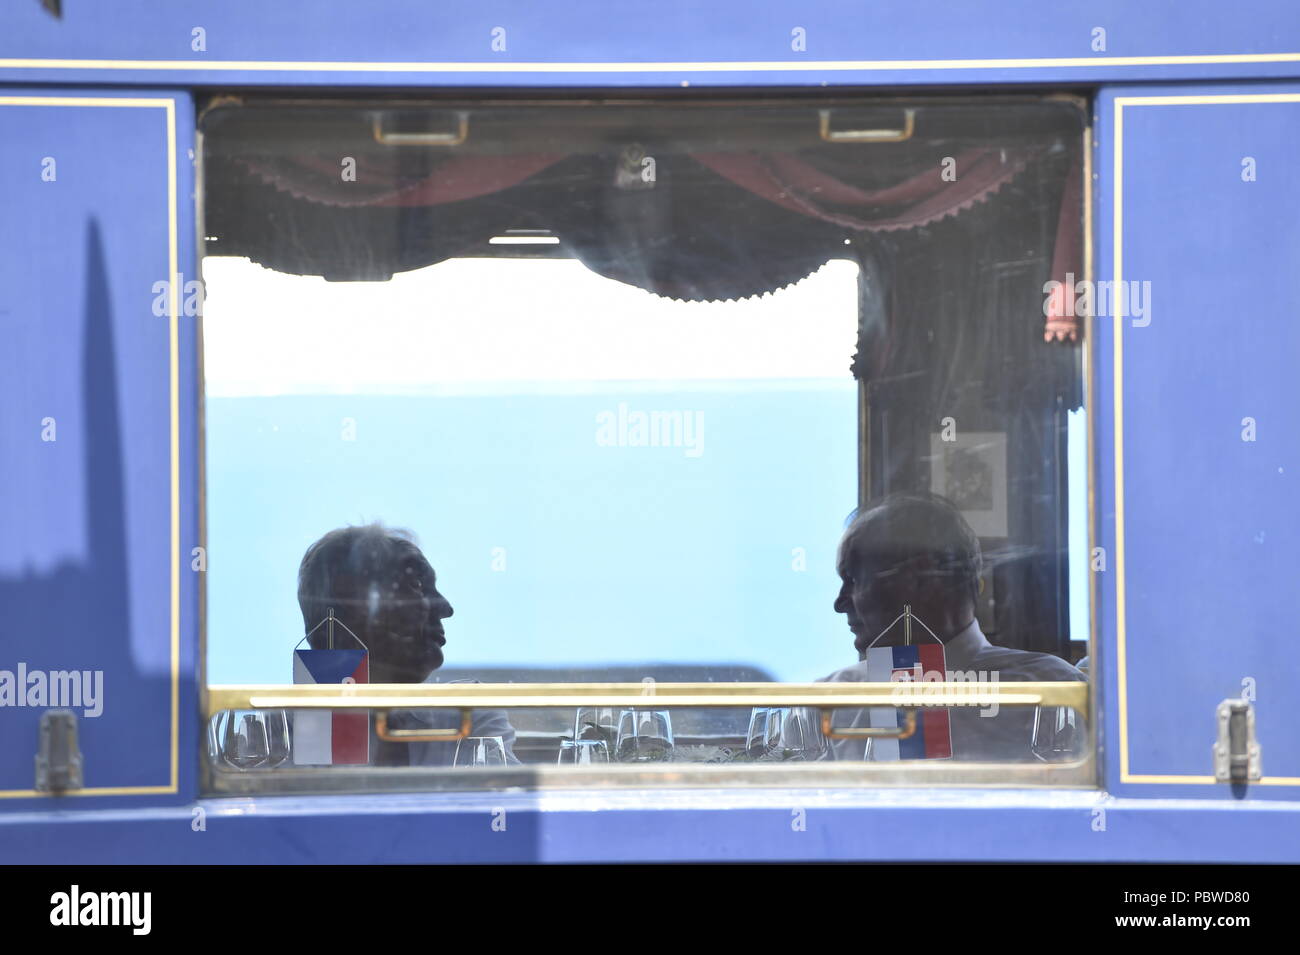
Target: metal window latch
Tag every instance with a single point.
(1236, 753)
(58, 763)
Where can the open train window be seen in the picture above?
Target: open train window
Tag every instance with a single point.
(714, 401)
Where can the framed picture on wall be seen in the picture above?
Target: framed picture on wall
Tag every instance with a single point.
(971, 471)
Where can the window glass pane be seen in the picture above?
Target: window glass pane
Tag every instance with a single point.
(580, 445)
(552, 393)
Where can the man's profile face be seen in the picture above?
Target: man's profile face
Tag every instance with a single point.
(916, 553)
(876, 584)
(872, 595)
(406, 631)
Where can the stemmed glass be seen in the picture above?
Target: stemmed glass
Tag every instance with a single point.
(1058, 734)
(801, 734)
(595, 723)
(481, 751)
(764, 731)
(583, 752)
(250, 739)
(644, 736)
(784, 733)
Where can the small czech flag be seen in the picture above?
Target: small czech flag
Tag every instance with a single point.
(933, 736)
(331, 737)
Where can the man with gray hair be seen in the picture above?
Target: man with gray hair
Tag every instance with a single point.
(916, 550)
(381, 588)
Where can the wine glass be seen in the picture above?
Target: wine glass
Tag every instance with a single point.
(800, 735)
(764, 731)
(644, 736)
(583, 752)
(784, 733)
(1058, 734)
(250, 739)
(277, 737)
(481, 751)
(595, 723)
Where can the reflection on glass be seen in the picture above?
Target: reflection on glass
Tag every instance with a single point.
(256, 739)
(481, 751)
(644, 736)
(583, 752)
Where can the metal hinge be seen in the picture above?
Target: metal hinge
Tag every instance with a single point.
(58, 763)
(1236, 753)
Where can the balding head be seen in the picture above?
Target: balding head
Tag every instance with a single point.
(908, 549)
(382, 589)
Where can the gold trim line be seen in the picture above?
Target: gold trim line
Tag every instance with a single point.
(168, 105)
(707, 66)
(1121, 611)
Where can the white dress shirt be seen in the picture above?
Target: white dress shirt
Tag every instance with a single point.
(485, 723)
(977, 732)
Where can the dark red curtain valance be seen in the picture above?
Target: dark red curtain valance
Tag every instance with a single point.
(715, 225)
(455, 179)
(924, 197)
(787, 180)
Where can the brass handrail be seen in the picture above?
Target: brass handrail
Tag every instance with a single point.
(462, 696)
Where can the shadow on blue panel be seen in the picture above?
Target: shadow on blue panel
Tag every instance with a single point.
(77, 616)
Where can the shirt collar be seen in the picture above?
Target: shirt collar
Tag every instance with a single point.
(962, 649)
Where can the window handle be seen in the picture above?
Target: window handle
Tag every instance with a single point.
(867, 135)
(430, 735)
(869, 732)
(450, 138)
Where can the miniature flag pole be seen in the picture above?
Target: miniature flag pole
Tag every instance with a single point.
(908, 663)
(331, 737)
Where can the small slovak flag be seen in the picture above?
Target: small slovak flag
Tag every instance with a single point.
(331, 737)
(914, 663)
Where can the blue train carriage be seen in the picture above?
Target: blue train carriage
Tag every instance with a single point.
(622, 315)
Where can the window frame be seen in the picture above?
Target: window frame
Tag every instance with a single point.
(1081, 774)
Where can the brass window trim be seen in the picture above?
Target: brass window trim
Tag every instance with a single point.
(388, 696)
